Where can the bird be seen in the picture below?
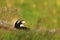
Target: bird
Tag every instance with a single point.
(19, 24)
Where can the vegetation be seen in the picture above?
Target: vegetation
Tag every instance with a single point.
(28, 35)
(39, 15)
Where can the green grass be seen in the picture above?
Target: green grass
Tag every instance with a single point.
(32, 14)
(28, 35)
(37, 13)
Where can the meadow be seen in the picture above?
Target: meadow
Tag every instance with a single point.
(40, 16)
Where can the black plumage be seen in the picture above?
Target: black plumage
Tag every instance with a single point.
(18, 23)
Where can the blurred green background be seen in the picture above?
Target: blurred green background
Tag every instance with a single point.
(38, 14)
(35, 12)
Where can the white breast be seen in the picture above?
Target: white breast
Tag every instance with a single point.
(21, 25)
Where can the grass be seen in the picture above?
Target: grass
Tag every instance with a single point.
(33, 10)
(39, 14)
(28, 35)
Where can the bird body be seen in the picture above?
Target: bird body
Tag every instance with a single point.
(20, 25)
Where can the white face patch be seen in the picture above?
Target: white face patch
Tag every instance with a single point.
(23, 22)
